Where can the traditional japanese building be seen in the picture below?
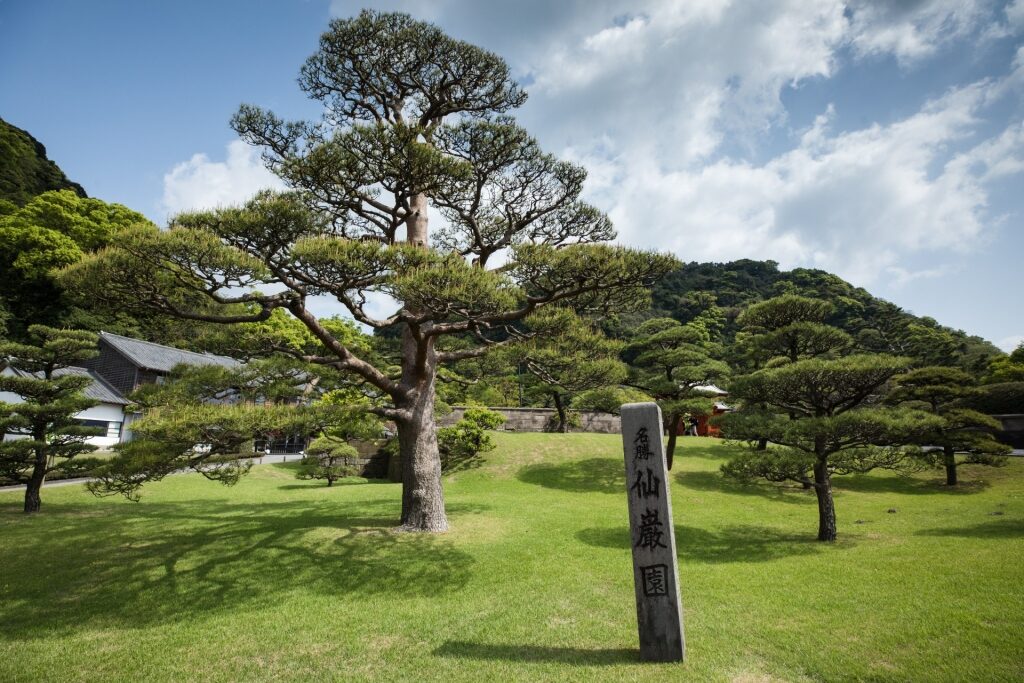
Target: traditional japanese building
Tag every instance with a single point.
(108, 415)
(127, 363)
(123, 364)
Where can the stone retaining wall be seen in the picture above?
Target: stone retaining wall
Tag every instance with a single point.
(1013, 430)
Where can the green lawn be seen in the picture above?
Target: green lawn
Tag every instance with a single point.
(278, 579)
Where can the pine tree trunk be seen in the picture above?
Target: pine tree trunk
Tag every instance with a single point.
(416, 223)
(826, 506)
(762, 444)
(422, 496)
(670, 448)
(949, 456)
(563, 421)
(33, 499)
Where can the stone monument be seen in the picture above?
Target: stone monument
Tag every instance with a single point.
(659, 613)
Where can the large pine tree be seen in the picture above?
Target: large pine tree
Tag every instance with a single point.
(413, 119)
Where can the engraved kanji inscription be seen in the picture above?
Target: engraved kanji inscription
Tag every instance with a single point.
(646, 484)
(651, 531)
(655, 579)
(642, 445)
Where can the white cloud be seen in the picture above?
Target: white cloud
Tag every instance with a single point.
(670, 80)
(854, 203)
(200, 183)
(659, 99)
(912, 30)
(1010, 343)
(1015, 15)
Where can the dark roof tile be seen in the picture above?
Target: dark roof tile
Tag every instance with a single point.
(98, 390)
(160, 358)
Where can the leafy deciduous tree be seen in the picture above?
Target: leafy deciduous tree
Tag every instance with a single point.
(1009, 368)
(52, 230)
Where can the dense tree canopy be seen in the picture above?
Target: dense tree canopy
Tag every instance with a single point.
(50, 231)
(1009, 368)
(876, 326)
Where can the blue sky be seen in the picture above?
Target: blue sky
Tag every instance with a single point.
(882, 141)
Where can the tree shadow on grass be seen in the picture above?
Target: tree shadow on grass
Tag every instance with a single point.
(719, 483)
(865, 483)
(704, 448)
(593, 475)
(155, 563)
(457, 649)
(1003, 528)
(341, 483)
(739, 543)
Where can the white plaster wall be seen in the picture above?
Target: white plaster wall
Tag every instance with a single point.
(108, 412)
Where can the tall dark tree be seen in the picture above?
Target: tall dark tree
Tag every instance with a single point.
(940, 391)
(47, 436)
(413, 118)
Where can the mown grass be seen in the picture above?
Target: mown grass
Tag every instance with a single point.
(278, 579)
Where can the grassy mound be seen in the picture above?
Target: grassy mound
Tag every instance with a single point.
(289, 580)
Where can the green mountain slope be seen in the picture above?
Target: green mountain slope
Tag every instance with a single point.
(876, 324)
(25, 171)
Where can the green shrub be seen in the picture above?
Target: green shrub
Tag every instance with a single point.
(328, 458)
(462, 443)
(484, 418)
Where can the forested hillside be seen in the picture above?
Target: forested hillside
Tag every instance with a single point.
(875, 324)
(25, 170)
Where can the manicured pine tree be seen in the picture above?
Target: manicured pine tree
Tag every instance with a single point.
(567, 355)
(824, 414)
(412, 118)
(788, 328)
(941, 391)
(671, 361)
(785, 329)
(328, 458)
(44, 435)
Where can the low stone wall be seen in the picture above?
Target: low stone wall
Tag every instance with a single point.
(372, 461)
(1013, 430)
(541, 420)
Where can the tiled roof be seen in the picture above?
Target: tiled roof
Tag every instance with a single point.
(150, 356)
(98, 389)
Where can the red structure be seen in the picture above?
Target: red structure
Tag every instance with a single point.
(703, 426)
